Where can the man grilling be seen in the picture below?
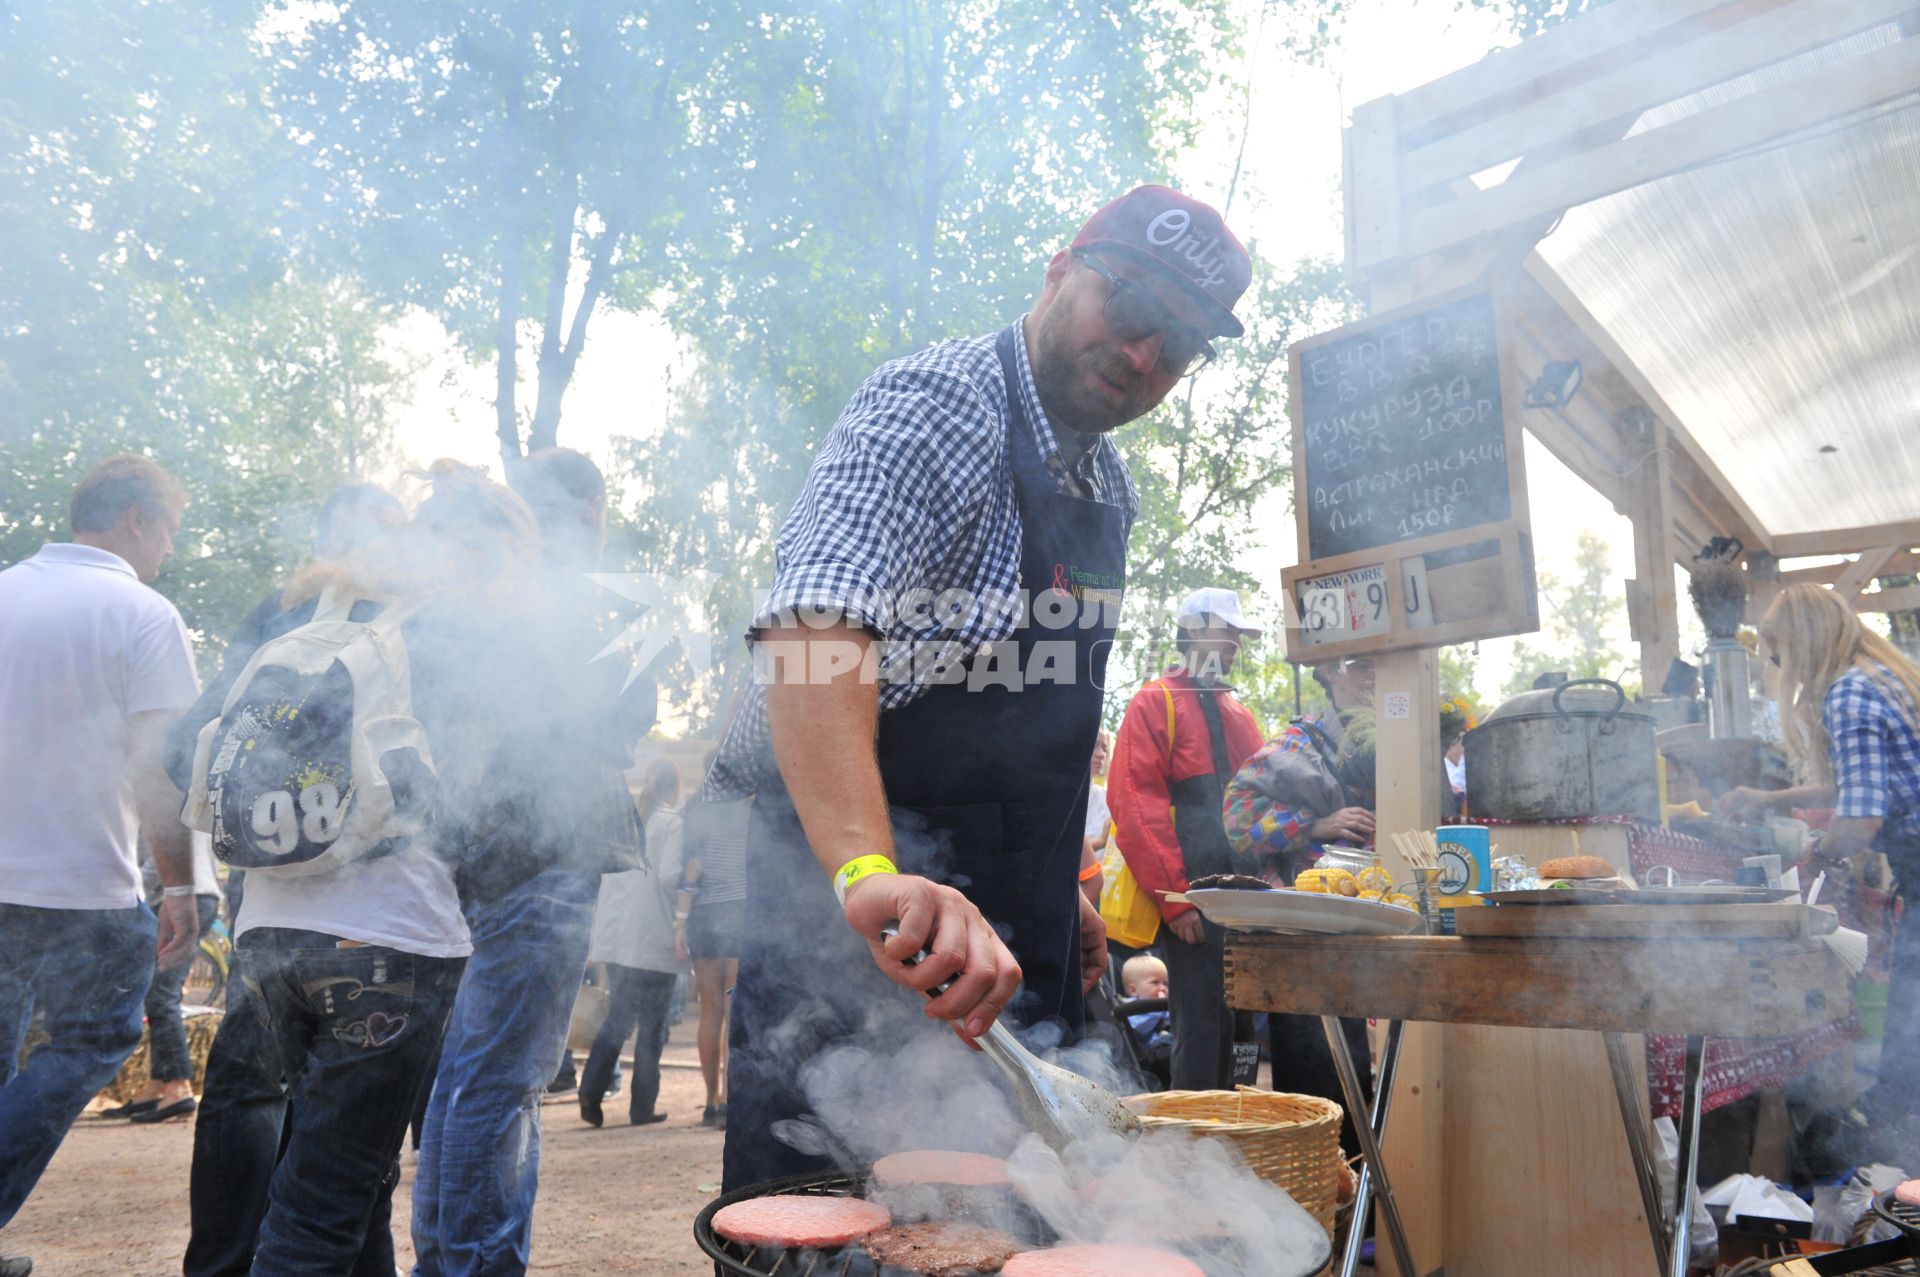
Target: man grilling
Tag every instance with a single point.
(932, 656)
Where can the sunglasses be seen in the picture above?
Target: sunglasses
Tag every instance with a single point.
(1134, 314)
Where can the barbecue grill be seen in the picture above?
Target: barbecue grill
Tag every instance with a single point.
(737, 1259)
(741, 1260)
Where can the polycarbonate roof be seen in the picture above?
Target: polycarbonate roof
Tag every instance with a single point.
(1773, 301)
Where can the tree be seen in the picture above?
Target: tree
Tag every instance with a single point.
(510, 167)
(1580, 617)
(145, 304)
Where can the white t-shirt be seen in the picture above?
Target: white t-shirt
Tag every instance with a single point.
(405, 901)
(1098, 814)
(84, 646)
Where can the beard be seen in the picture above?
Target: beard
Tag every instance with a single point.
(1072, 383)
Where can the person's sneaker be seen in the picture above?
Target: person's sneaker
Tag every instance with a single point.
(15, 1266)
(563, 1084)
(590, 1112)
(714, 1115)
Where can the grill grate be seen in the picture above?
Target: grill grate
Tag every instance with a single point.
(736, 1259)
(1903, 1217)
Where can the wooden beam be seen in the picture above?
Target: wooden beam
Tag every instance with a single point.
(1652, 563)
(1819, 95)
(1374, 216)
(1747, 527)
(1507, 76)
(1863, 570)
(1902, 598)
(1828, 573)
(1749, 37)
(1793, 545)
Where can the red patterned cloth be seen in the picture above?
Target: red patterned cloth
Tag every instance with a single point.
(1734, 1067)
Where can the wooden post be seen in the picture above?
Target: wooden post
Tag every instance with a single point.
(1407, 764)
(1656, 614)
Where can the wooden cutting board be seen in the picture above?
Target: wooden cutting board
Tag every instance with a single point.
(1781, 920)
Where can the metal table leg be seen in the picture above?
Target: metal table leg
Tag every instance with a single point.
(1633, 1115)
(1363, 1182)
(1369, 1139)
(1686, 1190)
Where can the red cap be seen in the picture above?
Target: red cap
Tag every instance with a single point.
(1182, 236)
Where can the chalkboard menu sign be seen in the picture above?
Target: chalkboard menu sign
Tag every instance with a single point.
(1401, 431)
(1410, 488)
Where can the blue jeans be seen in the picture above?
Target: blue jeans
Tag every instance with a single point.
(167, 1055)
(352, 1032)
(88, 969)
(637, 1007)
(480, 1153)
(241, 1133)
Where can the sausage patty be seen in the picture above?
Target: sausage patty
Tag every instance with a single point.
(942, 1248)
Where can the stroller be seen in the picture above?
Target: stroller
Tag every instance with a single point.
(1110, 1018)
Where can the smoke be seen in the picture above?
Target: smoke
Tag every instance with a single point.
(905, 1085)
(1170, 1190)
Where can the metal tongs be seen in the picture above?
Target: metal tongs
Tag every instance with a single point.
(1060, 1107)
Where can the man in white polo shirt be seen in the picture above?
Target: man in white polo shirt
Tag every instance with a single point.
(94, 667)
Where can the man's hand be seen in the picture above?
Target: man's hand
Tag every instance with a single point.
(1189, 926)
(179, 931)
(1093, 945)
(959, 941)
(1349, 824)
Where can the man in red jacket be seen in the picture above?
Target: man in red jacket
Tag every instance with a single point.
(1165, 790)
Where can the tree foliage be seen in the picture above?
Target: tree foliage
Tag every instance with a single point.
(145, 304)
(508, 166)
(1578, 616)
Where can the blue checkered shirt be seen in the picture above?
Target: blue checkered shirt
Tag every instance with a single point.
(1875, 746)
(912, 490)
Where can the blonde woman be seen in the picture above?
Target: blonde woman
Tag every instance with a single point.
(1850, 712)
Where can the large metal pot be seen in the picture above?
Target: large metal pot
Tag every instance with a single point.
(1563, 753)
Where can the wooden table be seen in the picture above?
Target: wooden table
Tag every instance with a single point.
(1693, 987)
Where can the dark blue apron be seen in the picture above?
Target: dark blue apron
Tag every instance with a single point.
(987, 786)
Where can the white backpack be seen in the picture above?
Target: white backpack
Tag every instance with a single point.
(316, 758)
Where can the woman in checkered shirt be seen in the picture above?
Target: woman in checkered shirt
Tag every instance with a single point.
(1850, 708)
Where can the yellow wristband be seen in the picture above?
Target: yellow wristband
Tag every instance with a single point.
(856, 869)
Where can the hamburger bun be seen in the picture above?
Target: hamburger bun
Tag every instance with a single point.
(1576, 867)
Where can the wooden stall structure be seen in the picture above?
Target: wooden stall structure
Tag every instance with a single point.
(1712, 208)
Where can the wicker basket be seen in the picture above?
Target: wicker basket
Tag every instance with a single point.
(1289, 1140)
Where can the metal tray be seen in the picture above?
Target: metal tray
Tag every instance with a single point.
(1644, 896)
(1303, 913)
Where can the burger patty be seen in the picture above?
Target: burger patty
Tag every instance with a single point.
(788, 1222)
(1230, 882)
(1100, 1261)
(939, 1167)
(942, 1248)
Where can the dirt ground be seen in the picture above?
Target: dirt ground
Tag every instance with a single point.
(616, 1200)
